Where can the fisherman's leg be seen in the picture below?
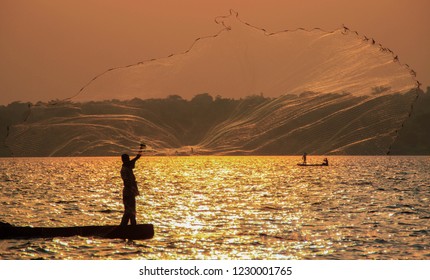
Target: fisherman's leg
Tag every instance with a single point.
(127, 211)
(133, 211)
(124, 220)
(133, 220)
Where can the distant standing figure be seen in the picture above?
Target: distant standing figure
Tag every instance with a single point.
(130, 190)
(325, 161)
(304, 157)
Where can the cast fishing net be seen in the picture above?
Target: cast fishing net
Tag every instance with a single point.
(323, 92)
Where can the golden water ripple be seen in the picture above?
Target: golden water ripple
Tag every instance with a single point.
(224, 207)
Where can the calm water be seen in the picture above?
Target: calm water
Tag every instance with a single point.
(225, 207)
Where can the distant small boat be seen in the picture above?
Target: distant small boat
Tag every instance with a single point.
(136, 232)
(313, 164)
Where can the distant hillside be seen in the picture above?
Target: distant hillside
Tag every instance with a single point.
(290, 124)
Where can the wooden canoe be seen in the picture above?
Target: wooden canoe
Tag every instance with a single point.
(136, 232)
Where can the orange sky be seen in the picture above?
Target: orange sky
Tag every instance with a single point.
(50, 49)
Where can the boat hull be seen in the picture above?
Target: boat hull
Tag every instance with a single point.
(136, 232)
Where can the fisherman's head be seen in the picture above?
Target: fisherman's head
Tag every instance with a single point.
(125, 158)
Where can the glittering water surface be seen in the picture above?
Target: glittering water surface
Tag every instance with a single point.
(224, 207)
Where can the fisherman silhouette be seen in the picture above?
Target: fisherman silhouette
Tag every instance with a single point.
(304, 157)
(130, 190)
(325, 162)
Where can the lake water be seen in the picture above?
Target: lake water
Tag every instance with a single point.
(224, 207)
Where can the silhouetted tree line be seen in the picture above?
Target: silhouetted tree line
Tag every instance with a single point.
(12, 114)
(192, 118)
